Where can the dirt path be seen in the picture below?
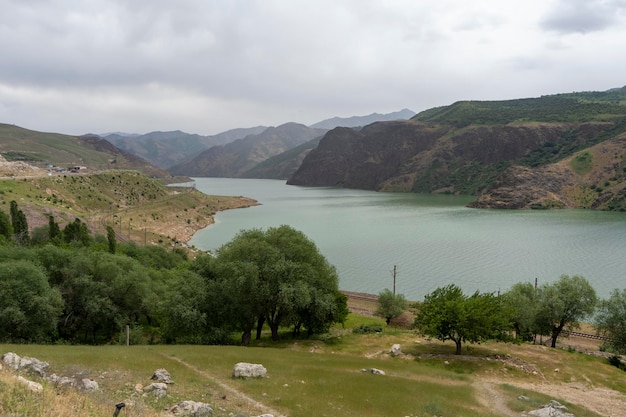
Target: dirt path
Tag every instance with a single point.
(489, 396)
(235, 394)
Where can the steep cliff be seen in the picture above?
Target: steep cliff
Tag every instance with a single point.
(524, 153)
(419, 157)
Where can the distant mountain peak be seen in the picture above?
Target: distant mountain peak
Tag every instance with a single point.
(357, 121)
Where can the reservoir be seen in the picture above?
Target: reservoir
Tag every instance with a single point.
(429, 240)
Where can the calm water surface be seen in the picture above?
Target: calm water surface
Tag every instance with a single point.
(432, 240)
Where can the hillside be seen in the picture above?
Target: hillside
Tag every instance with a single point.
(137, 207)
(165, 149)
(469, 147)
(43, 149)
(235, 158)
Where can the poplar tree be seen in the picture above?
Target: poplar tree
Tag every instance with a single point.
(20, 224)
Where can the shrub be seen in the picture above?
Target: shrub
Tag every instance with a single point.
(366, 329)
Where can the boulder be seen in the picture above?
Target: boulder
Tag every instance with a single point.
(395, 350)
(553, 409)
(88, 385)
(62, 381)
(373, 371)
(191, 408)
(249, 370)
(31, 385)
(25, 363)
(161, 375)
(158, 389)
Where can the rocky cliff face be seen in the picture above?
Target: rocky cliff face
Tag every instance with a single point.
(424, 157)
(592, 178)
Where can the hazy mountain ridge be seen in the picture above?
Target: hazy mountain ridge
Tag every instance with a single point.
(235, 158)
(358, 121)
(165, 149)
(174, 149)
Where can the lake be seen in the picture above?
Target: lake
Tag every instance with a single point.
(432, 240)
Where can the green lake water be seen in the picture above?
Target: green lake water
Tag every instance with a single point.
(432, 240)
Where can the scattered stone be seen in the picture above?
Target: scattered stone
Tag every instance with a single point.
(523, 398)
(62, 381)
(88, 385)
(161, 375)
(553, 409)
(31, 385)
(25, 363)
(266, 415)
(377, 371)
(158, 389)
(395, 350)
(249, 370)
(191, 408)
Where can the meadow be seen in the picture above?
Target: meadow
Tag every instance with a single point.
(326, 376)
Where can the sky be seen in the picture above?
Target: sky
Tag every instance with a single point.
(207, 66)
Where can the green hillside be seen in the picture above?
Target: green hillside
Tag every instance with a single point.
(139, 208)
(43, 149)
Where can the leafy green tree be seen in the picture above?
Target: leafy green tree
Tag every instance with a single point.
(186, 316)
(29, 307)
(77, 232)
(610, 320)
(102, 293)
(448, 314)
(522, 298)
(19, 224)
(390, 305)
(564, 303)
(277, 277)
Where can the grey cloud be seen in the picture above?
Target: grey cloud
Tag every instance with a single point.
(583, 16)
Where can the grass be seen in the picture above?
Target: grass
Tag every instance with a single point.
(310, 377)
(582, 163)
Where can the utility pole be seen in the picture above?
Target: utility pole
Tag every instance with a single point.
(394, 280)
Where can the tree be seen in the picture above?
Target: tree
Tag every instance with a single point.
(77, 232)
(19, 224)
(111, 239)
(54, 231)
(448, 314)
(564, 303)
(522, 298)
(390, 305)
(610, 320)
(6, 229)
(29, 307)
(279, 277)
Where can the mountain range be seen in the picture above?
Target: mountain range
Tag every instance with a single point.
(555, 151)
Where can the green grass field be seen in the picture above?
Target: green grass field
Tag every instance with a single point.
(318, 377)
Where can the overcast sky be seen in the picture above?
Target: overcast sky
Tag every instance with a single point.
(206, 66)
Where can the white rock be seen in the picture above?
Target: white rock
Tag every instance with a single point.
(249, 370)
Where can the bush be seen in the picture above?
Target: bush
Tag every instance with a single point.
(616, 361)
(366, 329)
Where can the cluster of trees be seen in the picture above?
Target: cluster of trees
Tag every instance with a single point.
(67, 285)
(523, 313)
